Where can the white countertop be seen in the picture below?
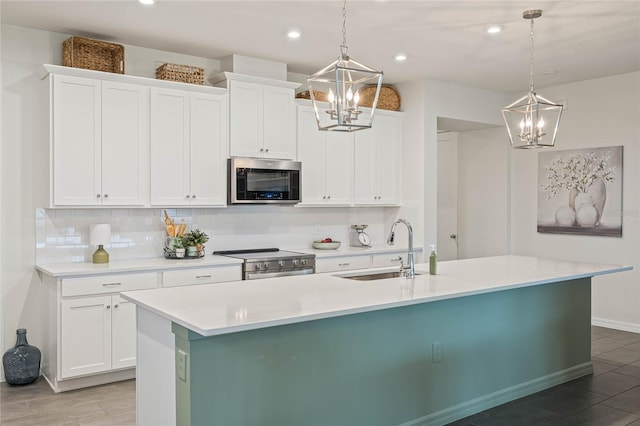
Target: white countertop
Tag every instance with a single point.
(245, 305)
(134, 265)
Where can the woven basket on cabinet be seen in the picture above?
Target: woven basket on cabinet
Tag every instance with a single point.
(181, 73)
(87, 53)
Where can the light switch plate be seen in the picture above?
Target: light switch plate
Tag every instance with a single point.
(182, 365)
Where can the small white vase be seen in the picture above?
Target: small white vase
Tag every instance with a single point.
(180, 252)
(587, 216)
(565, 216)
(192, 251)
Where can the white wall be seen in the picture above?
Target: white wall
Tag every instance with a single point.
(601, 112)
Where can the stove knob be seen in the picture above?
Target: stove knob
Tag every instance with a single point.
(265, 265)
(281, 263)
(296, 262)
(304, 261)
(257, 266)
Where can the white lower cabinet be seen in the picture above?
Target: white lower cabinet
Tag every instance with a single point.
(97, 334)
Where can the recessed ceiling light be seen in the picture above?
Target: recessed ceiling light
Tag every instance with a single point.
(293, 34)
(400, 57)
(494, 29)
(147, 2)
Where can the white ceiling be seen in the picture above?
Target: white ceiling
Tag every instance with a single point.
(445, 39)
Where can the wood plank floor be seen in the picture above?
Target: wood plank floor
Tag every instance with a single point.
(609, 397)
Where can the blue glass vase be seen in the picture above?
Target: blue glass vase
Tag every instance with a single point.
(22, 363)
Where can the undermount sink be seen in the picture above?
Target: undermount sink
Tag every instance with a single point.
(376, 275)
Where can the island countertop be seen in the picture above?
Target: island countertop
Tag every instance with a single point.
(230, 307)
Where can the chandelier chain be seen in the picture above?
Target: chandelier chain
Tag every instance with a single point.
(344, 23)
(531, 57)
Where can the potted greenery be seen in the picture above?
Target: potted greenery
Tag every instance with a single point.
(176, 242)
(194, 242)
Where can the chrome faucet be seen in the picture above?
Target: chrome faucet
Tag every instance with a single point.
(410, 270)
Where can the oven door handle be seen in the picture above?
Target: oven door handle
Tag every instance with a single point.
(258, 275)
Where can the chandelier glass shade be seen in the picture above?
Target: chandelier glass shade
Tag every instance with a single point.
(532, 121)
(339, 84)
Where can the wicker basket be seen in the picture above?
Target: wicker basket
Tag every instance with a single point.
(80, 52)
(318, 95)
(181, 73)
(389, 98)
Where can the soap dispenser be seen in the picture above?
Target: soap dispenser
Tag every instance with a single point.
(432, 260)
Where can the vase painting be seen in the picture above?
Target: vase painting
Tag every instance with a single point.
(580, 191)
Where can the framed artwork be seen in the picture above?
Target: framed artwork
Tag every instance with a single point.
(580, 191)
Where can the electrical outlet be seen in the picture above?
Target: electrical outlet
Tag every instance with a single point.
(182, 365)
(436, 352)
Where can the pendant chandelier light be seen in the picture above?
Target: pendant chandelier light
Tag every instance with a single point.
(532, 121)
(342, 81)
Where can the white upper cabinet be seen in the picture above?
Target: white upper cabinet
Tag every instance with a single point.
(188, 148)
(327, 163)
(262, 117)
(377, 159)
(99, 144)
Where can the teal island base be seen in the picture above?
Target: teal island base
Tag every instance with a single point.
(423, 364)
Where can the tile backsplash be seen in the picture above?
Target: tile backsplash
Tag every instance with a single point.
(62, 235)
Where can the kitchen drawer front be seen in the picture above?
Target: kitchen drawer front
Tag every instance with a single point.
(346, 263)
(202, 276)
(108, 284)
(388, 259)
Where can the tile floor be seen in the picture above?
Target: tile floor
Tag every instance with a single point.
(610, 397)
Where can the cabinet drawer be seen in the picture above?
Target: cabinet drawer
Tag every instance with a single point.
(202, 276)
(388, 259)
(342, 263)
(108, 284)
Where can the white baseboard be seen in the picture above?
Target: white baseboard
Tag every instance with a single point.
(502, 396)
(616, 325)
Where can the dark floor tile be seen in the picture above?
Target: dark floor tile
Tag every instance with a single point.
(601, 330)
(609, 384)
(632, 370)
(600, 367)
(519, 412)
(628, 401)
(598, 415)
(606, 344)
(622, 355)
(625, 337)
(636, 423)
(566, 399)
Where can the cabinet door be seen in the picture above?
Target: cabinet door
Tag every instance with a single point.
(85, 335)
(376, 162)
(76, 141)
(125, 123)
(245, 119)
(208, 150)
(311, 152)
(387, 138)
(169, 147)
(279, 124)
(123, 333)
(339, 168)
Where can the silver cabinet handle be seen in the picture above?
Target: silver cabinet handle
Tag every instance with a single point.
(116, 306)
(106, 195)
(344, 264)
(111, 284)
(108, 306)
(188, 196)
(97, 195)
(266, 150)
(397, 259)
(328, 197)
(261, 149)
(203, 276)
(193, 196)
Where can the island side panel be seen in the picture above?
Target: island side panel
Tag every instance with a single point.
(377, 368)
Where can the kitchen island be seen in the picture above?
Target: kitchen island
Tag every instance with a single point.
(327, 350)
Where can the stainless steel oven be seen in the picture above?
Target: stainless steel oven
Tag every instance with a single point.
(258, 181)
(272, 262)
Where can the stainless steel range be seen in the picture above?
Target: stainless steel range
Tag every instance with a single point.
(272, 262)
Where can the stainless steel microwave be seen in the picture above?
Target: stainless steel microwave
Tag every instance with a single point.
(258, 181)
